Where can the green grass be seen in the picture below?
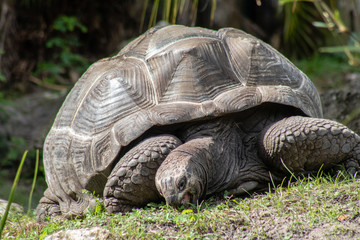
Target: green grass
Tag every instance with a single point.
(320, 207)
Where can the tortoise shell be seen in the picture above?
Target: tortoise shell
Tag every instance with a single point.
(168, 75)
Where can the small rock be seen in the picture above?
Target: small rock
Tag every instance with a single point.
(94, 233)
(15, 208)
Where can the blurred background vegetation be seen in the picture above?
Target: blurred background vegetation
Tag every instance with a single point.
(45, 46)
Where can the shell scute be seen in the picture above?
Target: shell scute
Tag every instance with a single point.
(192, 71)
(118, 91)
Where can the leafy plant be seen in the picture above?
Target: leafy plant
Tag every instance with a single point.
(68, 23)
(299, 35)
(63, 58)
(348, 42)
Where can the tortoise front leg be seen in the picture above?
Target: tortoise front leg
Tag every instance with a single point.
(48, 206)
(132, 181)
(305, 144)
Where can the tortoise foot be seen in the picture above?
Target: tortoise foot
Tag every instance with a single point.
(302, 144)
(132, 181)
(47, 207)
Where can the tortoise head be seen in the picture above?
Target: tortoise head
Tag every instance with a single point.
(181, 179)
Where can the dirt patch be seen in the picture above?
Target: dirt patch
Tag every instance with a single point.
(268, 225)
(340, 230)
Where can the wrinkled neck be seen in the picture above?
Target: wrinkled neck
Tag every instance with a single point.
(216, 148)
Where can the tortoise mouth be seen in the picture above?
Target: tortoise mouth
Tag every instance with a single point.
(181, 199)
(188, 198)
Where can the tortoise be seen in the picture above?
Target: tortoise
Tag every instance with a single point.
(183, 113)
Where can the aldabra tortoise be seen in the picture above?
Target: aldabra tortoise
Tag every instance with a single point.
(183, 113)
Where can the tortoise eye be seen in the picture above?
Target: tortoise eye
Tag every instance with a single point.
(182, 184)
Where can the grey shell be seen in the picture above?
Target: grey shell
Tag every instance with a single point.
(168, 75)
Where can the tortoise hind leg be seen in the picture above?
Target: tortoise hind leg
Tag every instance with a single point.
(306, 144)
(48, 206)
(132, 181)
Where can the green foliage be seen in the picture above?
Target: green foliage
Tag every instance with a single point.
(327, 71)
(62, 44)
(348, 42)
(47, 230)
(68, 23)
(300, 37)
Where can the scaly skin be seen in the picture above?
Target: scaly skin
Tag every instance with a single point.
(306, 144)
(131, 182)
